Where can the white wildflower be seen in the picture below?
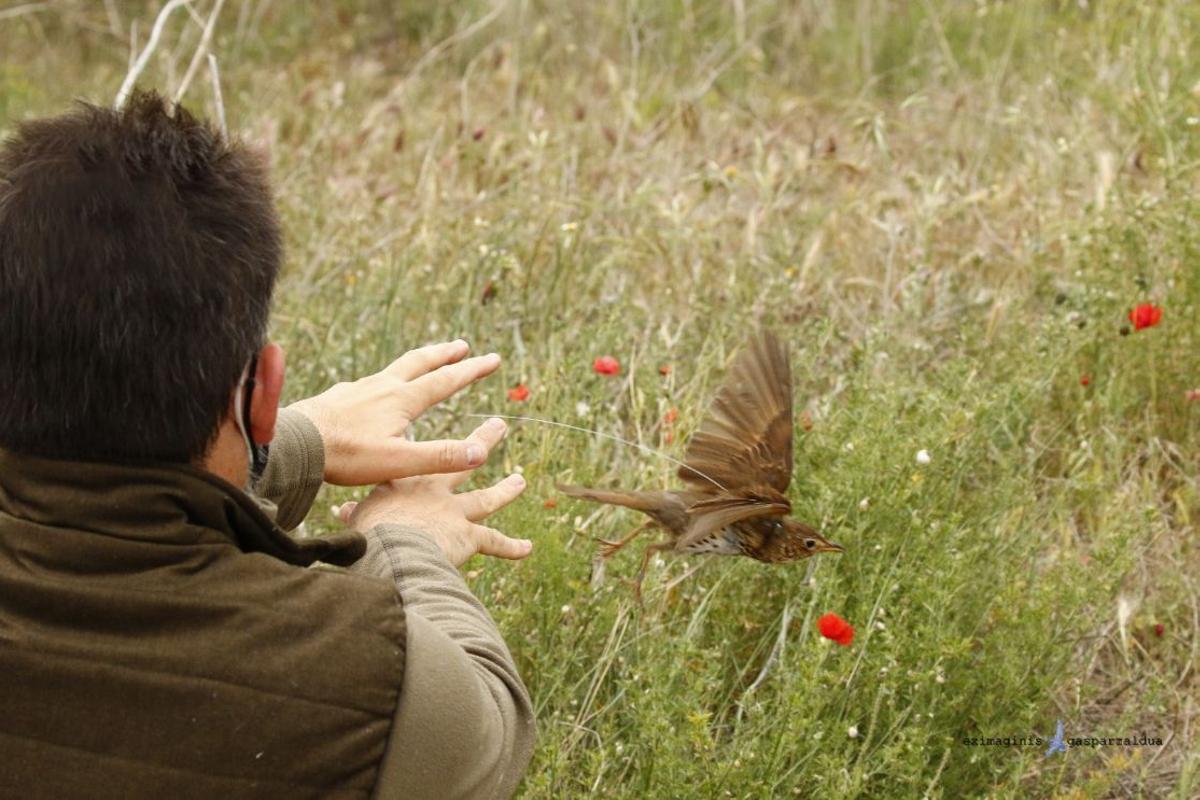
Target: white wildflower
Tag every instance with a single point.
(923, 457)
(852, 732)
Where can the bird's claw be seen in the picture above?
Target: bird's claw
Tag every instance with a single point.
(609, 548)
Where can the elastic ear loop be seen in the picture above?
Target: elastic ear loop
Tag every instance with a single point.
(257, 454)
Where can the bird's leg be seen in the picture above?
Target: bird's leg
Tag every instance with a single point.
(641, 576)
(612, 547)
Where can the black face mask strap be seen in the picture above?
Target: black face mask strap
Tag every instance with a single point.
(259, 452)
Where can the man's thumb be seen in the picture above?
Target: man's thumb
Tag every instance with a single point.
(494, 543)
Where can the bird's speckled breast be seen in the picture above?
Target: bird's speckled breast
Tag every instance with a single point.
(721, 543)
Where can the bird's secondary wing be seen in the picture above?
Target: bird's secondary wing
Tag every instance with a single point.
(709, 516)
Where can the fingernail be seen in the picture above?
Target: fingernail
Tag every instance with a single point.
(495, 424)
(493, 358)
(475, 455)
(460, 343)
(518, 480)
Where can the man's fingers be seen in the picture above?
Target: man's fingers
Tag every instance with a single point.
(488, 435)
(427, 458)
(482, 503)
(416, 363)
(448, 455)
(492, 542)
(434, 387)
(399, 458)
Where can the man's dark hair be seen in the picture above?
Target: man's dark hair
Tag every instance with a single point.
(138, 252)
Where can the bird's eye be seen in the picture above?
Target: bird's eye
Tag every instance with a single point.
(810, 543)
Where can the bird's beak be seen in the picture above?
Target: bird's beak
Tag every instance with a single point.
(830, 547)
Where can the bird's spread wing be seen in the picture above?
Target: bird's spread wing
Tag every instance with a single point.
(709, 516)
(746, 439)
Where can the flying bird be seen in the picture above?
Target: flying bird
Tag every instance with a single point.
(737, 469)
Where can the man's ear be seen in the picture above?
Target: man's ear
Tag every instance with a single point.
(268, 386)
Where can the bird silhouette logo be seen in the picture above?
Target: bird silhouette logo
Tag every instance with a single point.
(1057, 744)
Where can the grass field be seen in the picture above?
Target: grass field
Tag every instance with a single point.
(947, 208)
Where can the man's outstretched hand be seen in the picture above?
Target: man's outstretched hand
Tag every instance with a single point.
(428, 505)
(362, 424)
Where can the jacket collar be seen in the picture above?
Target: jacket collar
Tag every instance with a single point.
(156, 502)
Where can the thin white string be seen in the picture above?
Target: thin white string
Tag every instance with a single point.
(639, 446)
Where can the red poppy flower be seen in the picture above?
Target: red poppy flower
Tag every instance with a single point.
(519, 393)
(834, 627)
(1145, 315)
(664, 370)
(606, 365)
(1158, 630)
(1085, 380)
(550, 503)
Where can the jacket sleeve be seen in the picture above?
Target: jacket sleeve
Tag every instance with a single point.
(294, 470)
(464, 726)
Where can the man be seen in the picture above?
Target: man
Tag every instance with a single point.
(160, 635)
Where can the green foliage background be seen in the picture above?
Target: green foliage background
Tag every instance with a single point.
(947, 208)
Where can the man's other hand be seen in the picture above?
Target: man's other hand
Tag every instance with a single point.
(428, 505)
(362, 424)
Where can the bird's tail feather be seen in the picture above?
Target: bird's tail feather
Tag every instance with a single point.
(641, 501)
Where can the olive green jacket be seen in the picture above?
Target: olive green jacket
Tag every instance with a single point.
(160, 637)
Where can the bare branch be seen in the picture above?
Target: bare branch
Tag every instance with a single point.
(201, 49)
(139, 65)
(217, 99)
